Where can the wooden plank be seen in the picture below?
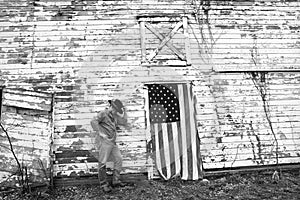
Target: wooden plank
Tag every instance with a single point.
(248, 163)
(83, 156)
(81, 169)
(41, 144)
(248, 152)
(81, 144)
(239, 138)
(151, 18)
(247, 169)
(32, 160)
(23, 101)
(94, 165)
(93, 172)
(143, 41)
(91, 180)
(25, 114)
(210, 126)
(255, 158)
(223, 141)
(150, 159)
(137, 134)
(187, 41)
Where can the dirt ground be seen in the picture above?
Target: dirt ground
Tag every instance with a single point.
(254, 185)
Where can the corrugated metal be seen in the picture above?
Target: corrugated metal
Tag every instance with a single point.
(90, 51)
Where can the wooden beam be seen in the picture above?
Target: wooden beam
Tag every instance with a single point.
(164, 41)
(159, 18)
(254, 70)
(143, 41)
(1, 91)
(187, 41)
(283, 167)
(150, 160)
(93, 180)
(174, 63)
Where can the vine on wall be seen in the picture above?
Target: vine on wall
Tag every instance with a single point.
(260, 83)
(201, 10)
(201, 14)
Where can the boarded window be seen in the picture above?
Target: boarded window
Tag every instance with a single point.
(164, 40)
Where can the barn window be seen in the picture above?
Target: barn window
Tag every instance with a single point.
(164, 40)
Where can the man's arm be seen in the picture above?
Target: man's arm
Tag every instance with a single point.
(123, 120)
(95, 124)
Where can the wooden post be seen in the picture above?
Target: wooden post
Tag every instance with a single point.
(187, 41)
(52, 156)
(143, 41)
(148, 134)
(1, 96)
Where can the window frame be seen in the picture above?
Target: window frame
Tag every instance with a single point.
(144, 20)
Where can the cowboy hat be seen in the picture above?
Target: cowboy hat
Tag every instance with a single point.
(117, 105)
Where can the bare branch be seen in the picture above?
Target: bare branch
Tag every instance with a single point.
(10, 144)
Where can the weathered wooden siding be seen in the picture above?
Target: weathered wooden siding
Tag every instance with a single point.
(232, 122)
(261, 35)
(90, 51)
(26, 115)
(240, 135)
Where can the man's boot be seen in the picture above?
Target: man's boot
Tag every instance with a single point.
(102, 177)
(116, 182)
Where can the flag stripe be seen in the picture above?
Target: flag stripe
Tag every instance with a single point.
(162, 150)
(183, 136)
(180, 145)
(159, 156)
(166, 149)
(185, 103)
(171, 147)
(199, 161)
(193, 135)
(176, 147)
(198, 156)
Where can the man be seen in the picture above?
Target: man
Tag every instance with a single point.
(105, 124)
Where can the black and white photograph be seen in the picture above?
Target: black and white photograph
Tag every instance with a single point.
(149, 99)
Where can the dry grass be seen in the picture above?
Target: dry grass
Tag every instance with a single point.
(255, 185)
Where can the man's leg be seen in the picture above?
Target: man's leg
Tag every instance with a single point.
(117, 157)
(105, 150)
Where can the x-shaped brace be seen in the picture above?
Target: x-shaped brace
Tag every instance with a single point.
(164, 41)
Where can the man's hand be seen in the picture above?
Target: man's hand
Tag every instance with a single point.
(128, 127)
(102, 135)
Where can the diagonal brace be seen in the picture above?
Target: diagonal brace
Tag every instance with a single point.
(164, 41)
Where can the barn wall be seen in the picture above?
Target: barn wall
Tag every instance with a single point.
(27, 117)
(240, 134)
(90, 51)
(249, 35)
(251, 47)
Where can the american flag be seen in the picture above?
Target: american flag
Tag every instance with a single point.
(173, 128)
